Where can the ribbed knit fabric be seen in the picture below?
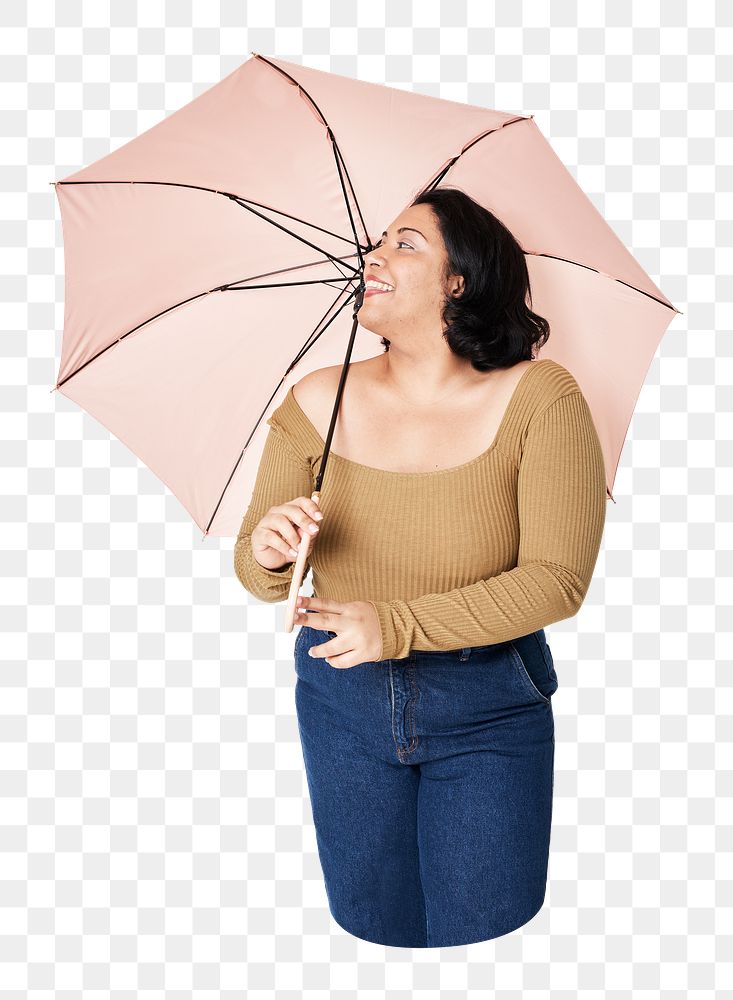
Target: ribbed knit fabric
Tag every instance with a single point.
(479, 553)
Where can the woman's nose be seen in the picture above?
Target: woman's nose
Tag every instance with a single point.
(374, 254)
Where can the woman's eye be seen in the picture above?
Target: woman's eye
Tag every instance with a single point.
(399, 243)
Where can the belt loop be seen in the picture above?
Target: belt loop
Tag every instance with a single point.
(465, 653)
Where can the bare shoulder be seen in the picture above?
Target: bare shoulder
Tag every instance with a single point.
(312, 390)
(315, 392)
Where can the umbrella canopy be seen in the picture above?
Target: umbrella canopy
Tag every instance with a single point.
(215, 259)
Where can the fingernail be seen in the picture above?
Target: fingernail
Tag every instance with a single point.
(311, 653)
(313, 528)
(318, 516)
(293, 553)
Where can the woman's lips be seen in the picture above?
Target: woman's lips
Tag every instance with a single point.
(375, 291)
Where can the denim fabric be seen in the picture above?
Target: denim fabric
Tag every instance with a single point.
(431, 782)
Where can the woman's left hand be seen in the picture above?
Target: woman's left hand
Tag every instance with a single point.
(358, 634)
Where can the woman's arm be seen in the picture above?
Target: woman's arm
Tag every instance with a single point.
(562, 510)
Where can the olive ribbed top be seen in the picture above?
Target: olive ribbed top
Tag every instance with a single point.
(478, 553)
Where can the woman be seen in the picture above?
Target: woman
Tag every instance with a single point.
(463, 512)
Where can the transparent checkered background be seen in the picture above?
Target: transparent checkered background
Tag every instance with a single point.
(156, 838)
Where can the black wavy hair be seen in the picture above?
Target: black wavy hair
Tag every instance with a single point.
(491, 323)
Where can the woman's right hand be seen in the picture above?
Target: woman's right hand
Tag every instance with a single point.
(276, 537)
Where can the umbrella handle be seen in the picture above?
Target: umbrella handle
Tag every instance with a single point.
(298, 573)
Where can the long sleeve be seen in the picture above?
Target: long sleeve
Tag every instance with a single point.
(282, 476)
(561, 506)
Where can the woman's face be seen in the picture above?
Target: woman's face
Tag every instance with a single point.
(413, 263)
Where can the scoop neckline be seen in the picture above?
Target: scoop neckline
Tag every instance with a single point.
(435, 472)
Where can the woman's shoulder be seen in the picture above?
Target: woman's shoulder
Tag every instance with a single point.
(549, 383)
(304, 409)
(314, 393)
(552, 381)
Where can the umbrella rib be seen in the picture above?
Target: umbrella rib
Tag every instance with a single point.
(224, 194)
(313, 337)
(295, 267)
(310, 342)
(484, 135)
(244, 204)
(340, 161)
(303, 92)
(529, 253)
(604, 274)
(192, 298)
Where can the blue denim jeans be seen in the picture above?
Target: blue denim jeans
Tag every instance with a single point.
(430, 780)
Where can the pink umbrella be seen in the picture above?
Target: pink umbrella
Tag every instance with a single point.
(217, 258)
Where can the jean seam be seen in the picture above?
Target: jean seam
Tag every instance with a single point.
(414, 738)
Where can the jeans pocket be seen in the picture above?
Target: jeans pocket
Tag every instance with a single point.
(546, 653)
(532, 666)
(298, 638)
